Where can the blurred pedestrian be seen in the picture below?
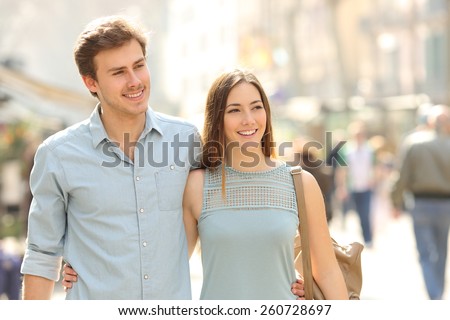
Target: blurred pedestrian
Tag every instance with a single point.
(355, 181)
(383, 170)
(334, 160)
(307, 156)
(424, 172)
(10, 277)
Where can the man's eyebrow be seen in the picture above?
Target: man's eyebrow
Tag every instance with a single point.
(139, 60)
(115, 69)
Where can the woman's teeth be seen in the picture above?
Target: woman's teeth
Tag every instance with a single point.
(247, 133)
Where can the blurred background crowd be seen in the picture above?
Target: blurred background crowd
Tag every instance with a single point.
(326, 64)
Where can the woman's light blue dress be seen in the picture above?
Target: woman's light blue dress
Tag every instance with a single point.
(247, 240)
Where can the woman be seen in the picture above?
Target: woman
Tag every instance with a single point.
(242, 203)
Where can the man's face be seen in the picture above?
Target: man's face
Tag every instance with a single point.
(123, 80)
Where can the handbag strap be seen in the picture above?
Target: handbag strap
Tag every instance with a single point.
(303, 231)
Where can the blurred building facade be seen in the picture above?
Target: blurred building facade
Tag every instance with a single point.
(323, 62)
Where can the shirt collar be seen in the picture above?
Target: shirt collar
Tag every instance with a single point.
(151, 122)
(99, 133)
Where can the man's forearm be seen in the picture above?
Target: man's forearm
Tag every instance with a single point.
(37, 288)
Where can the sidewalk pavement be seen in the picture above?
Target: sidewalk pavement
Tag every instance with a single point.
(391, 269)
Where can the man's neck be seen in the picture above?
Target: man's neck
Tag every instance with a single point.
(125, 131)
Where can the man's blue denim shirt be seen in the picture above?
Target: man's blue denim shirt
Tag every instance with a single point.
(118, 223)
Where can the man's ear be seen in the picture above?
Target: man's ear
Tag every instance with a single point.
(90, 83)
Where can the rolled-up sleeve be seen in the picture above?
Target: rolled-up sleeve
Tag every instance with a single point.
(47, 216)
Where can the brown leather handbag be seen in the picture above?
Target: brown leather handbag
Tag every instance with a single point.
(348, 256)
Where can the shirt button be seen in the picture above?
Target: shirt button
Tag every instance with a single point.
(172, 167)
(144, 243)
(138, 178)
(146, 277)
(141, 210)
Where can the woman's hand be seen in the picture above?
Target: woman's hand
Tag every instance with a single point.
(298, 289)
(69, 276)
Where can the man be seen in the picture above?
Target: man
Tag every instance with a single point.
(108, 191)
(355, 182)
(9, 274)
(424, 172)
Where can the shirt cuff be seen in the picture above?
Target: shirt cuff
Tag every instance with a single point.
(40, 264)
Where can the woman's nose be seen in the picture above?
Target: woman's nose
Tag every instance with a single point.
(248, 118)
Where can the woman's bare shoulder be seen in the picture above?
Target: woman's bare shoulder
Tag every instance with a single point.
(310, 182)
(196, 175)
(194, 182)
(193, 193)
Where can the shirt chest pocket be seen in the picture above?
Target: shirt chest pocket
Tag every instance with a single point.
(170, 187)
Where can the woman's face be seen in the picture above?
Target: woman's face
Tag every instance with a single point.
(245, 117)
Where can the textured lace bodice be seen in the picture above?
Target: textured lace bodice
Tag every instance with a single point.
(250, 190)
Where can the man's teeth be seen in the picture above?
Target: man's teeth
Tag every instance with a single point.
(134, 95)
(247, 133)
